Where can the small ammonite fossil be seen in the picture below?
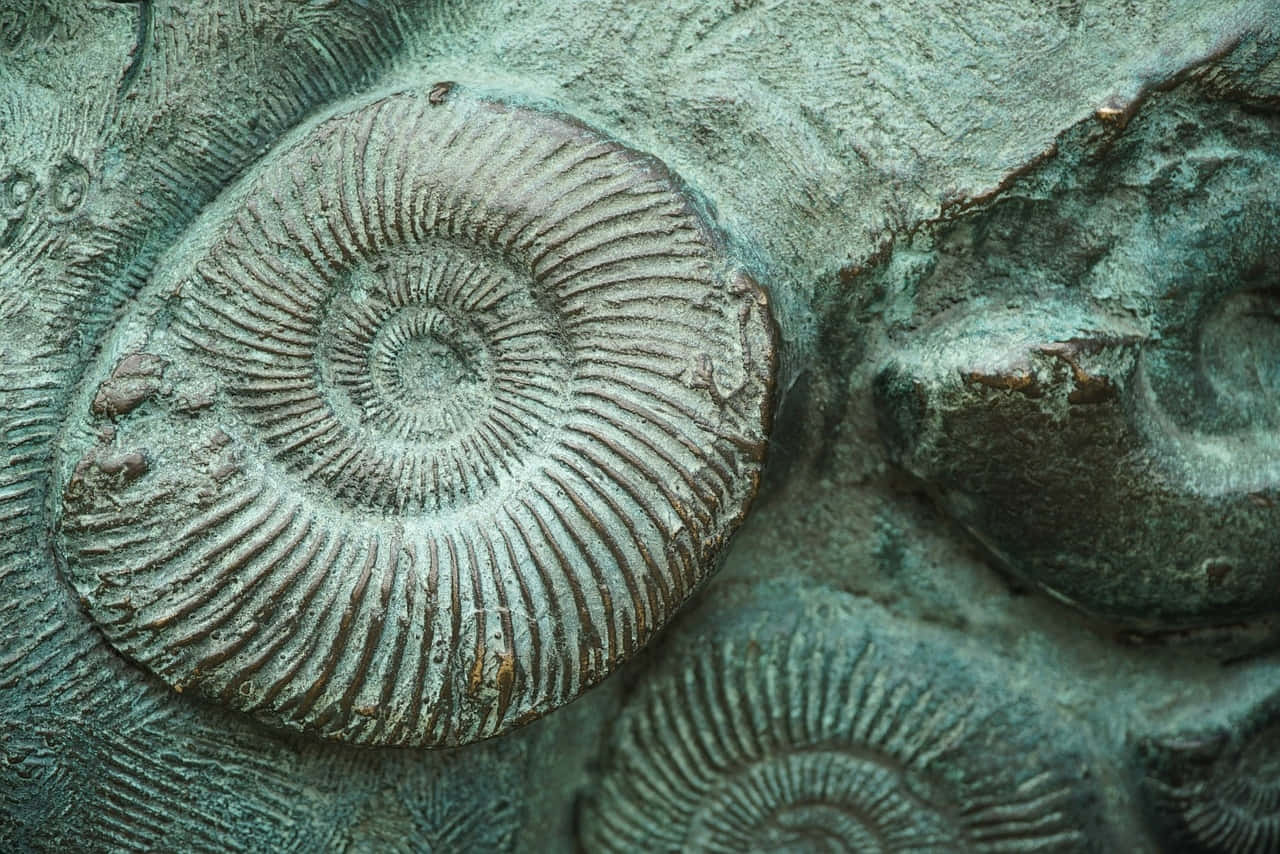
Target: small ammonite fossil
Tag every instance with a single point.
(1218, 791)
(432, 419)
(807, 729)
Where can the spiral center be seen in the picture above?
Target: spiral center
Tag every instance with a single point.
(818, 801)
(443, 376)
(1240, 355)
(815, 828)
(433, 370)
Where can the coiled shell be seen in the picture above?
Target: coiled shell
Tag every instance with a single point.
(1218, 792)
(434, 417)
(803, 729)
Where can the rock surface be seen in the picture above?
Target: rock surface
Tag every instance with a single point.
(1022, 261)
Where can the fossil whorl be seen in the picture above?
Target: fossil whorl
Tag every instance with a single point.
(436, 415)
(805, 731)
(1218, 791)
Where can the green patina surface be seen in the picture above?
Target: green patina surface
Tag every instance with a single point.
(1014, 563)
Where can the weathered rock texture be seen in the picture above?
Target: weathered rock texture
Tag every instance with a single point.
(1022, 262)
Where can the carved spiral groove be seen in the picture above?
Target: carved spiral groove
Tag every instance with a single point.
(436, 416)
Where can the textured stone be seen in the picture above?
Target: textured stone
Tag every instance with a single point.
(1110, 429)
(826, 146)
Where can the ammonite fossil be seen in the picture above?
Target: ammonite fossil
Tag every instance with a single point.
(434, 417)
(807, 729)
(1217, 791)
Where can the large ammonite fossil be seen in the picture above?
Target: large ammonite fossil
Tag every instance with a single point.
(808, 729)
(434, 417)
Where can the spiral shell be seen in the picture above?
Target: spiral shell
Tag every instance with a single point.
(1218, 792)
(803, 731)
(435, 417)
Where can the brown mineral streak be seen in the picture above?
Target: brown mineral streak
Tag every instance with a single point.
(1019, 382)
(136, 377)
(1090, 388)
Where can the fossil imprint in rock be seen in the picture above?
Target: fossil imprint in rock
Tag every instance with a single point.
(432, 419)
(810, 729)
(1215, 789)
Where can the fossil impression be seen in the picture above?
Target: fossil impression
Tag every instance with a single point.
(433, 418)
(1218, 791)
(809, 732)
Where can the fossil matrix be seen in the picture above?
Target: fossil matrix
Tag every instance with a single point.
(704, 425)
